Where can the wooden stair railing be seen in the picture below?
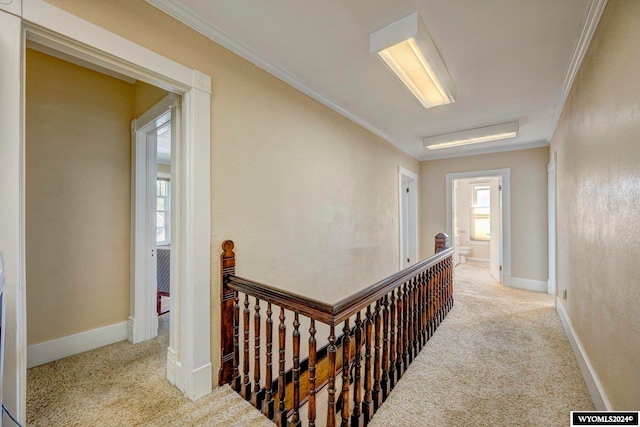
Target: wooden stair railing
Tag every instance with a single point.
(384, 327)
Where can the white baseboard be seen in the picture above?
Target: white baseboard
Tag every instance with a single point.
(49, 351)
(594, 386)
(529, 285)
(173, 368)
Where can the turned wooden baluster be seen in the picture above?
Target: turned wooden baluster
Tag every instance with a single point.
(384, 380)
(377, 395)
(346, 357)
(423, 308)
(357, 383)
(392, 342)
(450, 276)
(400, 338)
(440, 286)
(312, 374)
(246, 383)
(281, 416)
(236, 344)
(267, 404)
(410, 320)
(331, 389)
(295, 418)
(367, 405)
(258, 392)
(430, 310)
(420, 311)
(406, 326)
(416, 316)
(426, 306)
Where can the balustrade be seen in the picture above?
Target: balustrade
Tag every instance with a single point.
(392, 321)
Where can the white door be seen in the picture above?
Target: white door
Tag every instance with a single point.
(495, 215)
(408, 201)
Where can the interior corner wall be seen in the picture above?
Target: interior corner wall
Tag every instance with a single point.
(78, 194)
(598, 206)
(309, 197)
(528, 204)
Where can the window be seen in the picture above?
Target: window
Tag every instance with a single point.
(480, 208)
(163, 211)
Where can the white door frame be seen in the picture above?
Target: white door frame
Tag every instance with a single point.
(505, 194)
(143, 321)
(551, 183)
(408, 179)
(189, 359)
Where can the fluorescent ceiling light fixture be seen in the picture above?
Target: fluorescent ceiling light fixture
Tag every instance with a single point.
(472, 136)
(405, 46)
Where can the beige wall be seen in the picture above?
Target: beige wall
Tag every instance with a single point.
(598, 204)
(309, 197)
(528, 204)
(78, 190)
(77, 198)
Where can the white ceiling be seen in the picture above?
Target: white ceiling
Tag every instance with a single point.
(511, 60)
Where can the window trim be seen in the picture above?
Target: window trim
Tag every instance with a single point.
(161, 176)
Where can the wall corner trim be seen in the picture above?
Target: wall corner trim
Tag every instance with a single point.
(594, 386)
(49, 351)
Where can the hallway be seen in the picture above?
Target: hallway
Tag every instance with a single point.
(500, 358)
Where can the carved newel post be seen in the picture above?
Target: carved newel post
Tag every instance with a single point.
(229, 338)
(442, 241)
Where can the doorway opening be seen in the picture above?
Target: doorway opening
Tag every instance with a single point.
(153, 224)
(478, 219)
(189, 364)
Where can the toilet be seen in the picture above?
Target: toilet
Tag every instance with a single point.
(462, 251)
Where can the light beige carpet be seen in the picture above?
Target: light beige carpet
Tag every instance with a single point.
(500, 358)
(125, 385)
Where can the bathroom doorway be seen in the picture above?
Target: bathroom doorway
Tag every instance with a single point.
(478, 219)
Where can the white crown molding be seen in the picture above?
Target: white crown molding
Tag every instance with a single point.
(185, 15)
(589, 25)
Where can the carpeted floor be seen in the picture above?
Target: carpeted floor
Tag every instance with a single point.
(500, 358)
(125, 385)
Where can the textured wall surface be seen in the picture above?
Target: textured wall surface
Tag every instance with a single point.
(528, 204)
(598, 203)
(78, 195)
(309, 197)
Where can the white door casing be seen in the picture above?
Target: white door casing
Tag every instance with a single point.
(495, 241)
(143, 319)
(12, 236)
(189, 359)
(551, 182)
(408, 217)
(505, 203)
